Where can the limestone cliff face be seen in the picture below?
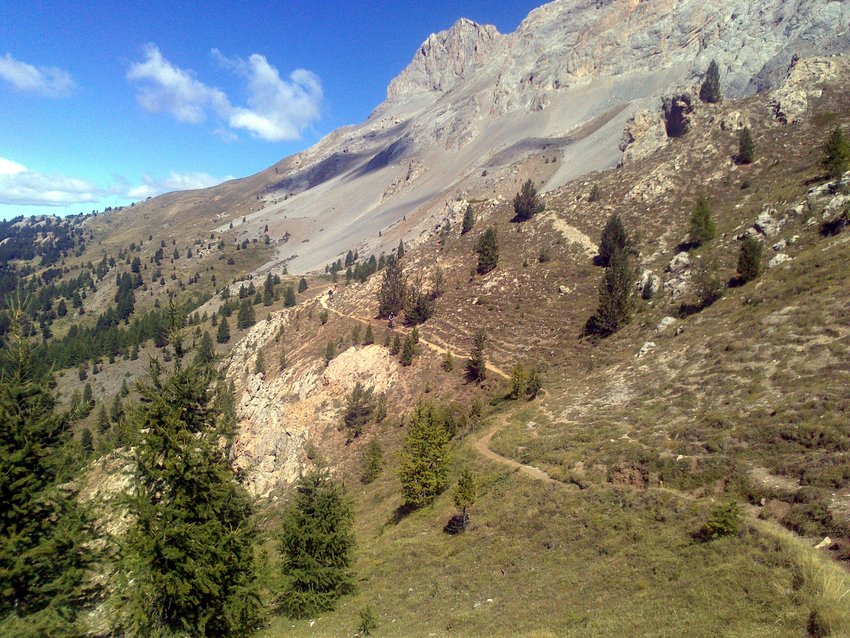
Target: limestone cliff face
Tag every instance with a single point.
(570, 42)
(446, 59)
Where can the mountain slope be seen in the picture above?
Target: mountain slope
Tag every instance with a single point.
(474, 105)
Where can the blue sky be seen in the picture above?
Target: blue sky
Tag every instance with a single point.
(103, 103)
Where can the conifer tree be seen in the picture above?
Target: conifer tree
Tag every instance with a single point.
(836, 153)
(419, 306)
(476, 365)
(316, 546)
(395, 347)
(746, 146)
(616, 296)
(400, 250)
(488, 251)
(206, 351)
(393, 292)
(464, 496)
(372, 463)
(749, 259)
(614, 237)
(424, 459)
(43, 532)
(468, 220)
(407, 352)
(188, 557)
(330, 352)
(222, 335)
(369, 337)
(527, 202)
(246, 317)
(302, 285)
(710, 89)
(519, 381)
(116, 410)
(359, 406)
(702, 228)
(102, 419)
(289, 297)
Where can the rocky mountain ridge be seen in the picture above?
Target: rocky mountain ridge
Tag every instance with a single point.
(475, 109)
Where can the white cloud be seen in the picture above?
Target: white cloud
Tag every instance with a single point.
(280, 110)
(174, 182)
(47, 81)
(23, 187)
(8, 167)
(168, 88)
(276, 110)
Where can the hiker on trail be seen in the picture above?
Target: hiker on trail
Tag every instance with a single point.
(391, 321)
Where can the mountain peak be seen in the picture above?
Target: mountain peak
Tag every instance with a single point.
(444, 59)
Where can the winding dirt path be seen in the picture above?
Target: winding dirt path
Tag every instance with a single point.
(440, 349)
(482, 446)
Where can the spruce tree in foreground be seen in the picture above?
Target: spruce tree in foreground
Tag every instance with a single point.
(424, 457)
(43, 532)
(188, 557)
(527, 202)
(702, 227)
(476, 365)
(316, 546)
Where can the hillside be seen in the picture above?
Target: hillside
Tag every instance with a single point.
(593, 494)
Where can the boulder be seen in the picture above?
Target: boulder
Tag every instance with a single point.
(781, 258)
(665, 323)
(681, 261)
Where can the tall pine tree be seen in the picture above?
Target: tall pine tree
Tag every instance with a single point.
(316, 546)
(43, 532)
(424, 457)
(188, 557)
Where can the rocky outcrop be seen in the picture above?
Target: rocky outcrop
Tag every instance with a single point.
(644, 134)
(791, 100)
(446, 59)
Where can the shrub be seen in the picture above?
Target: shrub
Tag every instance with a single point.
(749, 259)
(724, 521)
(368, 621)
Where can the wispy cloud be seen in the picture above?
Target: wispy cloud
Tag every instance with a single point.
(47, 81)
(276, 109)
(23, 187)
(174, 182)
